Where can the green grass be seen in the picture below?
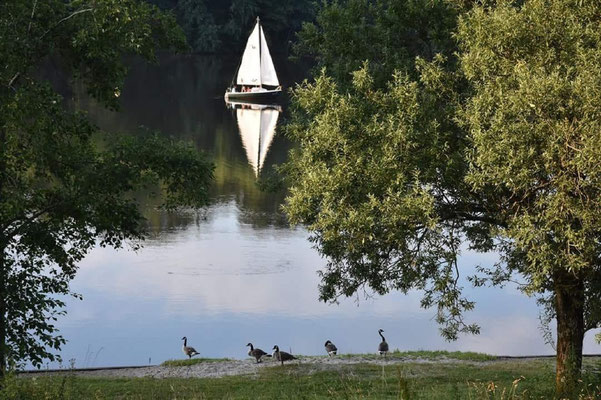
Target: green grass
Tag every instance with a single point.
(517, 380)
(192, 361)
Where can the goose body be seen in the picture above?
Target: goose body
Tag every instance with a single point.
(383, 346)
(257, 353)
(282, 355)
(331, 348)
(188, 350)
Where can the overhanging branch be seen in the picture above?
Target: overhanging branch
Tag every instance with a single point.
(65, 19)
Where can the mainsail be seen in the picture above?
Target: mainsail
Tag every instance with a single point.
(257, 67)
(257, 129)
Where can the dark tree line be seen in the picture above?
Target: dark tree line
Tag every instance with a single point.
(222, 26)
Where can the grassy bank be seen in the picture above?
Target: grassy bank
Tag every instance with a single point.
(411, 380)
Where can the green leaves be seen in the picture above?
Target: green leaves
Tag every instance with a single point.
(490, 139)
(65, 187)
(534, 123)
(367, 181)
(387, 33)
(494, 142)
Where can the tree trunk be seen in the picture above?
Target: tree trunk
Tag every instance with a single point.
(569, 307)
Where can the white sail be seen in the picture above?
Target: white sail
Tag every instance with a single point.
(268, 75)
(257, 67)
(250, 67)
(257, 129)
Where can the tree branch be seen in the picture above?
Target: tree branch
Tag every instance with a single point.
(65, 19)
(35, 3)
(26, 220)
(13, 79)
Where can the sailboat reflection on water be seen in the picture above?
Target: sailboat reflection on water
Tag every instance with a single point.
(256, 124)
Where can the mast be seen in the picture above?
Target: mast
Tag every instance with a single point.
(260, 71)
(256, 66)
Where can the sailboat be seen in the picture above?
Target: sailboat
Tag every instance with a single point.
(256, 79)
(257, 123)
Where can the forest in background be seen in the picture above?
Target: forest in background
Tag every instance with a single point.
(222, 26)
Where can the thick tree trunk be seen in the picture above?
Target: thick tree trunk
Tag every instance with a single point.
(569, 306)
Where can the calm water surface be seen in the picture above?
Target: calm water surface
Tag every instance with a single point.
(236, 272)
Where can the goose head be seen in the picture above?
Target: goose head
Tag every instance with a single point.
(184, 338)
(276, 348)
(327, 343)
(380, 330)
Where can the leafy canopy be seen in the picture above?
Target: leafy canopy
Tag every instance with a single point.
(66, 187)
(388, 33)
(491, 140)
(534, 120)
(374, 181)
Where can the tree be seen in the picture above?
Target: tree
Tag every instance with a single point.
(539, 65)
(492, 143)
(220, 26)
(388, 33)
(66, 187)
(198, 25)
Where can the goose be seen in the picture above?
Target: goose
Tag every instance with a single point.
(188, 350)
(331, 348)
(383, 347)
(282, 355)
(257, 353)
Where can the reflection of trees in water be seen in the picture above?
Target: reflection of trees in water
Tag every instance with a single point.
(176, 97)
(161, 223)
(183, 97)
(254, 208)
(259, 220)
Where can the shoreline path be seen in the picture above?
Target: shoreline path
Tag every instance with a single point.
(220, 368)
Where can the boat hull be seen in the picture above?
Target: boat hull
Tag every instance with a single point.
(262, 97)
(235, 104)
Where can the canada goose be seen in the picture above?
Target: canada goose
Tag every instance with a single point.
(257, 353)
(188, 350)
(282, 355)
(331, 348)
(383, 347)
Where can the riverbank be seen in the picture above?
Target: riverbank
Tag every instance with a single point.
(415, 375)
(217, 368)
